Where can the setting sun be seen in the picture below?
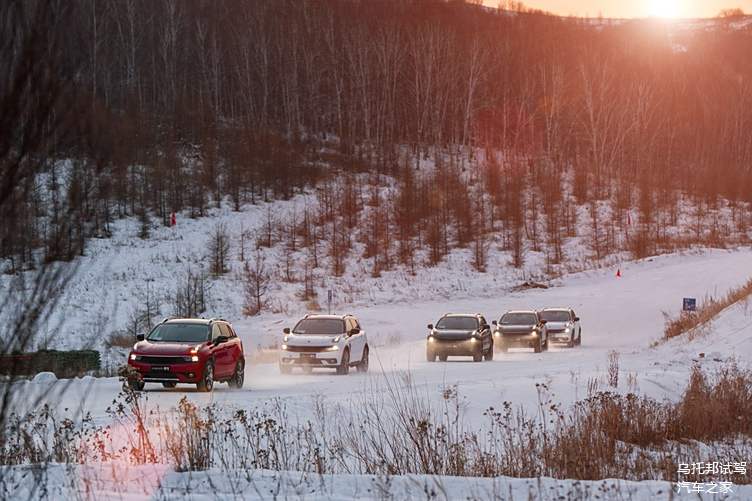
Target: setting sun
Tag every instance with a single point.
(664, 8)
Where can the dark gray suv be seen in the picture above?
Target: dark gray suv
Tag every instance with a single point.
(459, 334)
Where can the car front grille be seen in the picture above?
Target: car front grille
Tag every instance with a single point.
(556, 331)
(306, 349)
(163, 360)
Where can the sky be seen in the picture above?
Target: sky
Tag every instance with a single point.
(636, 8)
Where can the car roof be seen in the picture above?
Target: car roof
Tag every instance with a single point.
(200, 321)
(330, 317)
(556, 309)
(534, 312)
(474, 315)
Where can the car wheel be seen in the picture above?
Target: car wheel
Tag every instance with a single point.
(285, 369)
(169, 384)
(478, 357)
(538, 346)
(363, 364)
(579, 338)
(430, 356)
(239, 376)
(443, 357)
(344, 365)
(207, 380)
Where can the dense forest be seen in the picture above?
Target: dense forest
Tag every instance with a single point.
(164, 106)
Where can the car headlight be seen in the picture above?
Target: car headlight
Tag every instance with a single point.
(431, 339)
(283, 347)
(134, 356)
(336, 339)
(473, 339)
(497, 333)
(332, 348)
(285, 339)
(535, 332)
(194, 358)
(567, 330)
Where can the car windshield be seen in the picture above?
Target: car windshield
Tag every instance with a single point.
(457, 324)
(519, 319)
(555, 316)
(179, 333)
(320, 326)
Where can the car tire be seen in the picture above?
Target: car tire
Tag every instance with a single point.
(238, 377)
(538, 346)
(490, 353)
(545, 346)
(430, 356)
(207, 378)
(579, 338)
(285, 369)
(478, 357)
(344, 364)
(443, 357)
(363, 364)
(169, 384)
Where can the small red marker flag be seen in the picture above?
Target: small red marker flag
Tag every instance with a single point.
(618, 272)
(173, 219)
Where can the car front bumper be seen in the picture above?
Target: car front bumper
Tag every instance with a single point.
(316, 359)
(188, 372)
(456, 347)
(517, 340)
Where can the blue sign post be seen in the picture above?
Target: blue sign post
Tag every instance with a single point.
(689, 304)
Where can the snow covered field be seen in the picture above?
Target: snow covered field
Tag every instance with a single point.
(618, 314)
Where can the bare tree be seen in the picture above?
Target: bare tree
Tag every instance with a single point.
(257, 280)
(219, 249)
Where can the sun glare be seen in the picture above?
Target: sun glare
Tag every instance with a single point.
(663, 8)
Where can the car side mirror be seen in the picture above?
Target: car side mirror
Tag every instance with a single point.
(494, 322)
(544, 322)
(576, 319)
(485, 326)
(354, 331)
(430, 327)
(140, 337)
(219, 340)
(286, 330)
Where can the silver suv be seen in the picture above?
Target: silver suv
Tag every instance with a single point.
(522, 329)
(324, 341)
(563, 326)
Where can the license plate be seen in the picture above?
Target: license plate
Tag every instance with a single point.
(161, 369)
(308, 355)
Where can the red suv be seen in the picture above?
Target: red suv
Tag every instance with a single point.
(188, 350)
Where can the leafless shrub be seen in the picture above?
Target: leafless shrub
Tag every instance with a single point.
(708, 310)
(219, 249)
(257, 280)
(192, 294)
(188, 438)
(613, 369)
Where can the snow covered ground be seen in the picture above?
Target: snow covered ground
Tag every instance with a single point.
(150, 482)
(623, 314)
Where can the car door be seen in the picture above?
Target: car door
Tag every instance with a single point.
(220, 351)
(357, 341)
(485, 333)
(576, 329)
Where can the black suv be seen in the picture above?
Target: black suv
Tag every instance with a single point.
(460, 334)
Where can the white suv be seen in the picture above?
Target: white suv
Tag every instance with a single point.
(325, 341)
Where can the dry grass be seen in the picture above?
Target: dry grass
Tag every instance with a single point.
(398, 429)
(708, 310)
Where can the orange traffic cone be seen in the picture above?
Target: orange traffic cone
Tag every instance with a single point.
(618, 272)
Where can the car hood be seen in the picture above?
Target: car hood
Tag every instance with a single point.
(147, 348)
(451, 334)
(311, 340)
(516, 329)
